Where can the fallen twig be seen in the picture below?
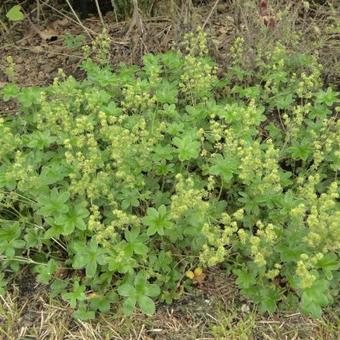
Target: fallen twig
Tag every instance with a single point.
(210, 13)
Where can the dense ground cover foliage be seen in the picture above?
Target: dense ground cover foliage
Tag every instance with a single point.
(114, 189)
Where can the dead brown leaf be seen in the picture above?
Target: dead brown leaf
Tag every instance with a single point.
(61, 22)
(48, 34)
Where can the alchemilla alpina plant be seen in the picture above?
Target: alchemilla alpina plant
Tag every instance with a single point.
(112, 188)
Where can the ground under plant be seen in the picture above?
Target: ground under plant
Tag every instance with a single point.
(117, 190)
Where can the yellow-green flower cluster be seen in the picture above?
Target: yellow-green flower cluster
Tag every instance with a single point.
(251, 161)
(10, 69)
(22, 172)
(100, 49)
(9, 142)
(271, 274)
(304, 273)
(94, 223)
(137, 99)
(104, 233)
(298, 213)
(308, 83)
(231, 142)
(138, 145)
(197, 78)
(198, 75)
(218, 241)
(320, 215)
(216, 131)
(55, 115)
(323, 220)
(271, 176)
(276, 69)
(295, 122)
(262, 244)
(214, 251)
(258, 164)
(195, 43)
(236, 50)
(328, 144)
(187, 197)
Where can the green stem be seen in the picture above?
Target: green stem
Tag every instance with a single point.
(163, 183)
(221, 189)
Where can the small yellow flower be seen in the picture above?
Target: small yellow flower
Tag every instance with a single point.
(198, 271)
(190, 274)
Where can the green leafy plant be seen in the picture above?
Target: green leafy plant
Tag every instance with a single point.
(15, 13)
(112, 187)
(139, 292)
(73, 42)
(77, 294)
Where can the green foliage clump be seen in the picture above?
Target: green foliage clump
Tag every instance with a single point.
(111, 188)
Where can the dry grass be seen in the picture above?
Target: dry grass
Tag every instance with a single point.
(212, 311)
(300, 25)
